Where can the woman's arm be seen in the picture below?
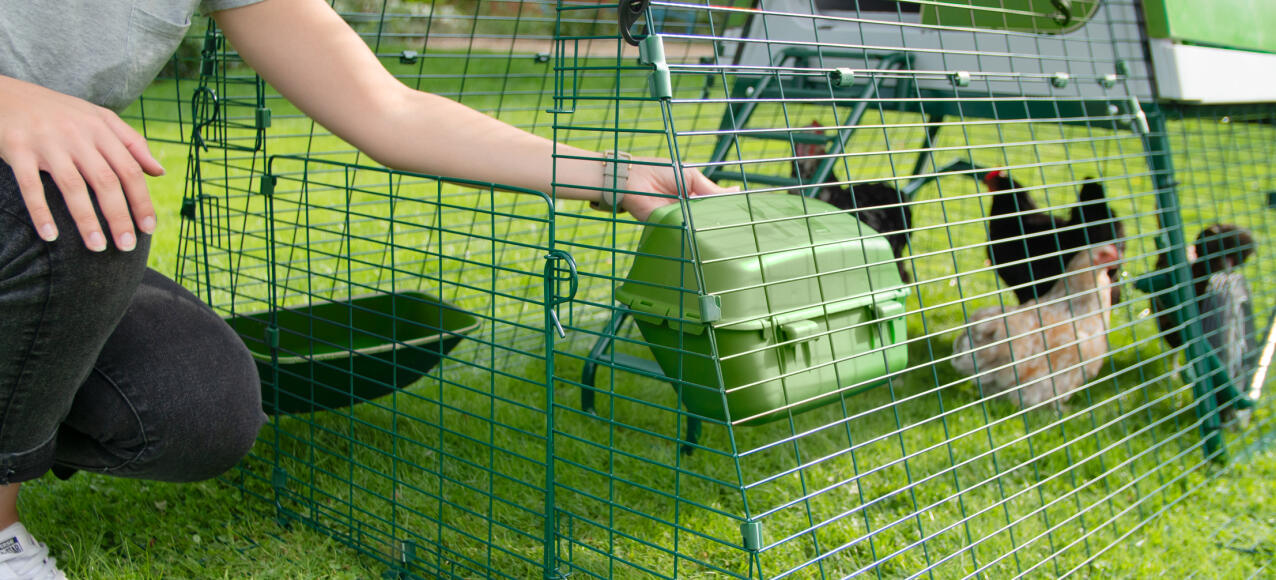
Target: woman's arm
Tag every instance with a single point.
(307, 52)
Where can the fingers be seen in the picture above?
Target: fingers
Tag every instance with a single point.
(135, 144)
(27, 174)
(76, 194)
(91, 155)
(129, 173)
(101, 176)
(115, 178)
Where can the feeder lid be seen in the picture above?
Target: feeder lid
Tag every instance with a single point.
(765, 259)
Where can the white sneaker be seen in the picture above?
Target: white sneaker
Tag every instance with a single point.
(23, 558)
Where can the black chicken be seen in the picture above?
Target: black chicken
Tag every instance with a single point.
(1223, 300)
(1030, 247)
(876, 205)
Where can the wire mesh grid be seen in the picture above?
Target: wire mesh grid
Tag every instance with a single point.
(896, 164)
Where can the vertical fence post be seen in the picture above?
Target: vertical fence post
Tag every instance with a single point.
(1210, 376)
(555, 273)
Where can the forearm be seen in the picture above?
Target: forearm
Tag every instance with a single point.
(314, 59)
(331, 75)
(431, 134)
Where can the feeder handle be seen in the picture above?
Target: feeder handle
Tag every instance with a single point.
(629, 11)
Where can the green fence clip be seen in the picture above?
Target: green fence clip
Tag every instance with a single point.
(272, 336)
(409, 552)
(961, 78)
(188, 209)
(1060, 80)
(651, 50)
(263, 117)
(408, 57)
(710, 308)
(279, 478)
(208, 56)
(267, 186)
(1140, 121)
(841, 77)
(752, 534)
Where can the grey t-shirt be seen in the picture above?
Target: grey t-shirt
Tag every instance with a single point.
(103, 51)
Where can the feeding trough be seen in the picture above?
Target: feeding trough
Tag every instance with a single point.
(336, 354)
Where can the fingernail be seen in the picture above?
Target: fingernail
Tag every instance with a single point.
(48, 233)
(147, 225)
(126, 242)
(96, 242)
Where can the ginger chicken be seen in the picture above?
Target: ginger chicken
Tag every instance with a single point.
(1048, 347)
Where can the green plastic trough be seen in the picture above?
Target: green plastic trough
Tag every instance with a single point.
(335, 354)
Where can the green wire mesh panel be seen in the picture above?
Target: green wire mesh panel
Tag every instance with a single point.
(909, 469)
(472, 382)
(1223, 159)
(398, 321)
(350, 284)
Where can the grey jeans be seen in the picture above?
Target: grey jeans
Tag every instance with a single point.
(108, 366)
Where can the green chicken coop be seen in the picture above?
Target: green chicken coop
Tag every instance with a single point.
(468, 380)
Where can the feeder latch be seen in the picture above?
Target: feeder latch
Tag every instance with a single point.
(802, 336)
(887, 313)
(629, 13)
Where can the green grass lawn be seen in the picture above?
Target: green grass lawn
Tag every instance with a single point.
(106, 528)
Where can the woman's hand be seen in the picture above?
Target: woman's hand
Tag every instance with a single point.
(81, 146)
(662, 179)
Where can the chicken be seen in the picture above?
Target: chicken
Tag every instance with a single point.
(1049, 346)
(876, 205)
(1223, 300)
(1218, 249)
(1029, 247)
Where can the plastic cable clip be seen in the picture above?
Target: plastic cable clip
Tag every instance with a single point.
(615, 180)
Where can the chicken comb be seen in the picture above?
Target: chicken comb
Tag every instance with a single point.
(991, 175)
(810, 149)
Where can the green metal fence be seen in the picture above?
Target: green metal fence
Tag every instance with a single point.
(470, 381)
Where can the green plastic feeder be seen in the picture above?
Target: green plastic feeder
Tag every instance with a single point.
(335, 354)
(803, 302)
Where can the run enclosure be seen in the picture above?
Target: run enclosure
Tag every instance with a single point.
(459, 385)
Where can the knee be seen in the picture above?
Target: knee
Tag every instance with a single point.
(193, 422)
(186, 431)
(219, 429)
(243, 419)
